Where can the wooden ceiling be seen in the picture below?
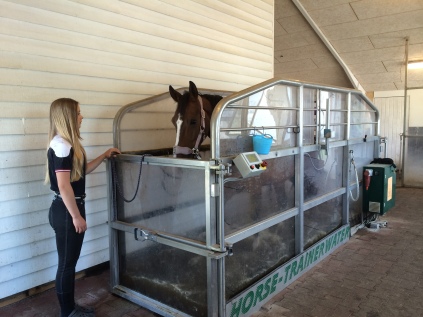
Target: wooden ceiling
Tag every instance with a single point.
(368, 36)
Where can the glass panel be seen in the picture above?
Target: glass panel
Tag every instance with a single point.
(171, 276)
(358, 104)
(337, 111)
(363, 155)
(258, 255)
(413, 167)
(322, 173)
(242, 123)
(415, 131)
(356, 208)
(361, 117)
(169, 199)
(250, 200)
(309, 116)
(321, 220)
(148, 127)
(361, 130)
(150, 140)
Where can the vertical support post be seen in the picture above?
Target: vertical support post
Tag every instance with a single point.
(210, 206)
(347, 167)
(214, 214)
(299, 176)
(221, 280)
(327, 124)
(113, 236)
(319, 114)
(221, 209)
(213, 288)
(404, 130)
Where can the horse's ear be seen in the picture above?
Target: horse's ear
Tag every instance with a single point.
(193, 89)
(174, 94)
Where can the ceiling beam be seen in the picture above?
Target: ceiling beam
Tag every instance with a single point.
(324, 39)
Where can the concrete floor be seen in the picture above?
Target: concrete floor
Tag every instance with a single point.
(377, 273)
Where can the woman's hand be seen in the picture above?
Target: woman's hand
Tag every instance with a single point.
(79, 224)
(68, 197)
(91, 166)
(112, 151)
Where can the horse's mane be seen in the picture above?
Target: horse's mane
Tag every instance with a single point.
(213, 99)
(181, 107)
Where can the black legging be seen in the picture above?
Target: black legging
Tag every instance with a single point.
(69, 244)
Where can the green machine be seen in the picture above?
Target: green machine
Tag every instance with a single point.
(379, 182)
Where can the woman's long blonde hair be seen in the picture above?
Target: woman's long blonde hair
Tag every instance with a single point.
(64, 122)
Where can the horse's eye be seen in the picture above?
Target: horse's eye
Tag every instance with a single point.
(193, 122)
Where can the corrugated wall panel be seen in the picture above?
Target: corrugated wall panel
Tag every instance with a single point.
(105, 54)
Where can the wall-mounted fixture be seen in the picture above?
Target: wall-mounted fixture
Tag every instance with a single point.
(415, 64)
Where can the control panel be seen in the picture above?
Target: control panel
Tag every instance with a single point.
(250, 164)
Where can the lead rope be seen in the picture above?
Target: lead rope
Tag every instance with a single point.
(117, 181)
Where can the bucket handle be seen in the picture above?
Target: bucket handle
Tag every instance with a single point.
(255, 128)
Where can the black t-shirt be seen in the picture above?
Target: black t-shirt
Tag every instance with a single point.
(60, 155)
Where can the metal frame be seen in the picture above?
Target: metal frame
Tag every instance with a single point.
(218, 245)
(210, 250)
(298, 152)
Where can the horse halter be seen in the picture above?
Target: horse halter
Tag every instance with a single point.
(201, 137)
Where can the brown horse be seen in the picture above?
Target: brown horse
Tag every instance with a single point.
(192, 120)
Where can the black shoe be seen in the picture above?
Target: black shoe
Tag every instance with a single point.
(78, 313)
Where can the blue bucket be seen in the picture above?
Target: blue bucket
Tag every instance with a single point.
(262, 143)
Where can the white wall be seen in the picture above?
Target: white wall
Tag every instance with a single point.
(391, 110)
(415, 104)
(394, 100)
(105, 54)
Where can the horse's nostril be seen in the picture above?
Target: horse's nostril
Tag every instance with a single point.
(193, 122)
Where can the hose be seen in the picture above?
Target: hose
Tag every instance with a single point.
(116, 180)
(356, 180)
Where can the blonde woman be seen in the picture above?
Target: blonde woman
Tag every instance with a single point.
(66, 169)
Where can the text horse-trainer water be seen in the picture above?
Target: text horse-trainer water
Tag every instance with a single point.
(192, 120)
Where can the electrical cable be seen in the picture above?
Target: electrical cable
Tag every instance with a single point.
(357, 183)
(232, 179)
(116, 180)
(311, 160)
(327, 175)
(374, 217)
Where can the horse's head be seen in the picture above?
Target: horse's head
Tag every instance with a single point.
(191, 120)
